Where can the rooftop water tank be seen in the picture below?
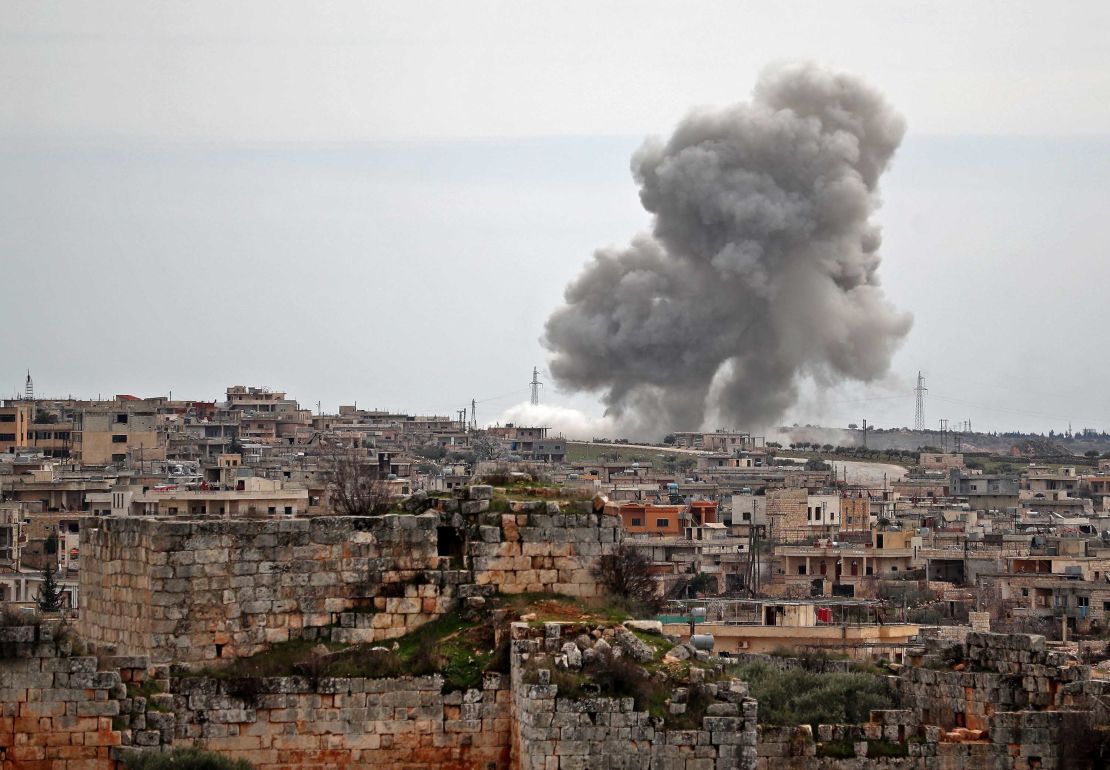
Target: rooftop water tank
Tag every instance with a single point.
(702, 642)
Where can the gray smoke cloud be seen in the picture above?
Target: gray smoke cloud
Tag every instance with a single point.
(761, 267)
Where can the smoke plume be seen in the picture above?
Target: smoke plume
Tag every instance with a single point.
(761, 267)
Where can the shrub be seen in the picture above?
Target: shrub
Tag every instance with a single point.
(626, 572)
(797, 696)
(621, 678)
(836, 749)
(182, 759)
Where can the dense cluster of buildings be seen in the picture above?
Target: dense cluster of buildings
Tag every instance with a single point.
(718, 514)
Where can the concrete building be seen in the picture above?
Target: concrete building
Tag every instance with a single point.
(984, 492)
(840, 569)
(16, 418)
(119, 433)
(859, 630)
(530, 443)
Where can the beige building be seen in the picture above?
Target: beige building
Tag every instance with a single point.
(15, 425)
(773, 626)
(117, 435)
(253, 497)
(831, 569)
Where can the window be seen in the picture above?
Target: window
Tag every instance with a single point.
(637, 523)
(7, 418)
(119, 458)
(288, 510)
(801, 569)
(747, 516)
(7, 437)
(119, 438)
(662, 523)
(121, 419)
(271, 510)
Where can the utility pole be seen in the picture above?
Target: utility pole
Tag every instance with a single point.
(473, 414)
(919, 413)
(865, 434)
(944, 435)
(536, 385)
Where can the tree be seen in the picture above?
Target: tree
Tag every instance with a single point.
(701, 583)
(50, 594)
(669, 438)
(626, 572)
(50, 547)
(486, 447)
(431, 452)
(357, 488)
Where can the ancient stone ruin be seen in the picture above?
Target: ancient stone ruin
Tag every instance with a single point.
(175, 614)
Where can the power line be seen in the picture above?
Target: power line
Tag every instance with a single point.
(919, 412)
(536, 385)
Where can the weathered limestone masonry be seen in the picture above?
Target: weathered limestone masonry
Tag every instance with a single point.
(61, 711)
(1000, 673)
(191, 592)
(540, 548)
(64, 711)
(291, 723)
(554, 733)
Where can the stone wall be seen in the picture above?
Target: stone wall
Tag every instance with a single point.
(195, 592)
(561, 733)
(388, 724)
(996, 673)
(63, 711)
(542, 549)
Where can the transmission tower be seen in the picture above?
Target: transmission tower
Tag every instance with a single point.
(919, 413)
(536, 385)
(29, 388)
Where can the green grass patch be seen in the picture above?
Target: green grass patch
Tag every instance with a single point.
(457, 648)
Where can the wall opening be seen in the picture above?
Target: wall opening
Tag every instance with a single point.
(450, 542)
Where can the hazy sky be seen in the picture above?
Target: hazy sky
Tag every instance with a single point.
(384, 202)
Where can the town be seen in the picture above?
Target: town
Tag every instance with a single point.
(174, 537)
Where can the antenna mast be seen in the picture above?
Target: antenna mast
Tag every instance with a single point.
(919, 413)
(29, 388)
(536, 385)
